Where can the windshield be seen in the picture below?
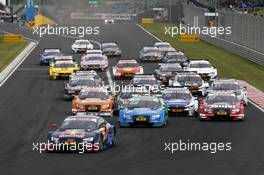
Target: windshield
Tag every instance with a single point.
(178, 57)
(79, 124)
(189, 78)
(93, 58)
(145, 81)
(82, 42)
(64, 65)
(226, 86)
(200, 65)
(132, 65)
(163, 45)
(221, 99)
(170, 69)
(151, 51)
(106, 46)
(93, 94)
(175, 95)
(83, 82)
(144, 103)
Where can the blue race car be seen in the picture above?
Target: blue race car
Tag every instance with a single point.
(83, 133)
(48, 56)
(144, 111)
(180, 101)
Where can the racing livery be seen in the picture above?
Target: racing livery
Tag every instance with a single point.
(96, 101)
(94, 61)
(221, 105)
(62, 69)
(192, 80)
(111, 49)
(150, 54)
(230, 85)
(126, 69)
(81, 45)
(144, 110)
(180, 101)
(86, 132)
(76, 84)
(48, 55)
(204, 68)
(167, 71)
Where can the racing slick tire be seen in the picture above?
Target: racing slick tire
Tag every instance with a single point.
(53, 77)
(115, 138)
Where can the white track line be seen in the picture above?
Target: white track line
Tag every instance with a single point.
(253, 103)
(148, 32)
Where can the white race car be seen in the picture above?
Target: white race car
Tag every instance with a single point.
(81, 46)
(109, 21)
(204, 68)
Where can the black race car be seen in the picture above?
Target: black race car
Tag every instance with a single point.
(176, 57)
(111, 49)
(76, 84)
(167, 71)
(150, 54)
(82, 133)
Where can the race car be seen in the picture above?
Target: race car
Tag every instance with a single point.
(62, 69)
(221, 105)
(204, 68)
(86, 74)
(94, 61)
(96, 101)
(230, 85)
(146, 84)
(163, 46)
(167, 71)
(150, 54)
(48, 55)
(81, 45)
(82, 133)
(124, 96)
(76, 84)
(176, 57)
(62, 58)
(144, 110)
(93, 51)
(192, 80)
(109, 21)
(111, 49)
(180, 101)
(126, 69)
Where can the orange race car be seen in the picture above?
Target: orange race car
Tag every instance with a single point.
(96, 101)
(126, 69)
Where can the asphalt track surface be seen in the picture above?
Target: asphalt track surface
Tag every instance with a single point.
(30, 102)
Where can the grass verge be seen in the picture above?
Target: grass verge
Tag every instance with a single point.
(9, 51)
(229, 65)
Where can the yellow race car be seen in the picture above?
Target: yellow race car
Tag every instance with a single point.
(62, 69)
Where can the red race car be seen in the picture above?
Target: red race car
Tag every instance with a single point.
(221, 106)
(126, 69)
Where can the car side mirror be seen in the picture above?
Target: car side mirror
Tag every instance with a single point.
(54, 126)
(245, 88)
(101, 129)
